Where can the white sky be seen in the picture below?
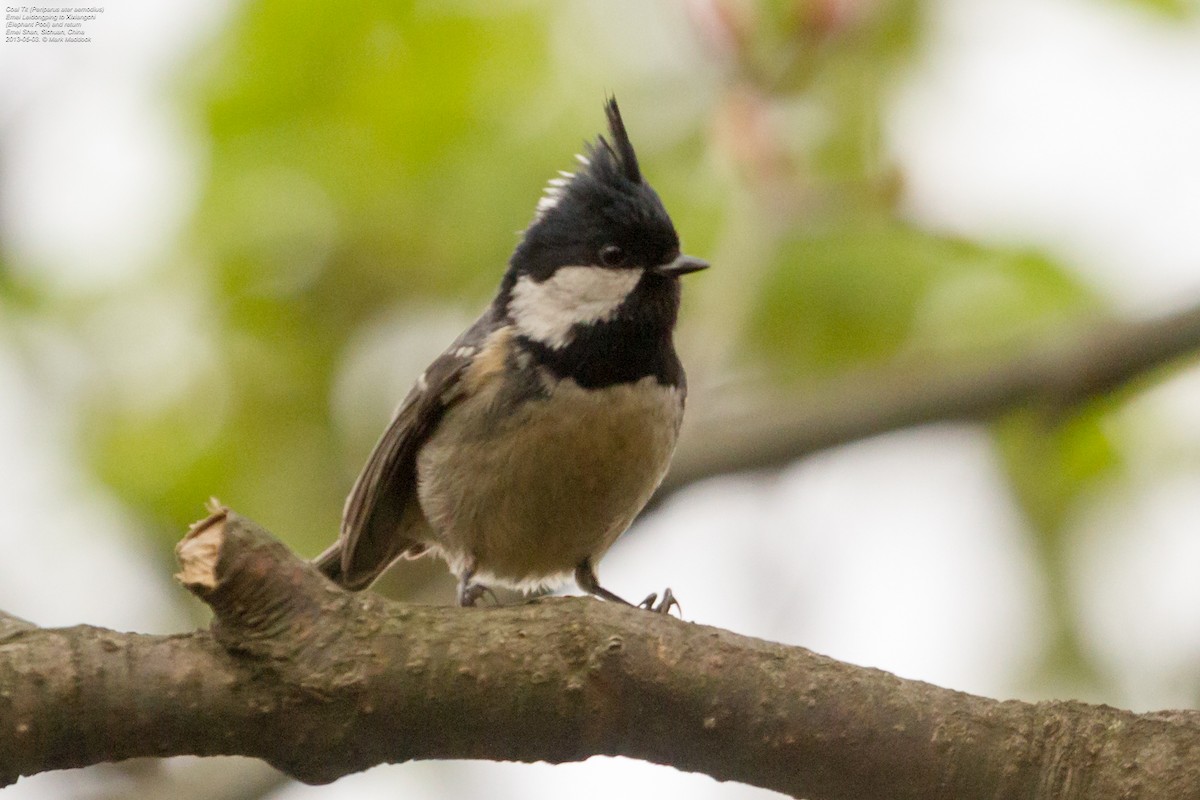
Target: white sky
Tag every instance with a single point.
(1064, 124)
(1068, 124)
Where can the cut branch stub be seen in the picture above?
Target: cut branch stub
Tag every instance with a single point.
(266, 601)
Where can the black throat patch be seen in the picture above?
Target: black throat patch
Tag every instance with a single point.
(635, 343)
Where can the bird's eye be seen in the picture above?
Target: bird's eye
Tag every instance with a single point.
(612, 256)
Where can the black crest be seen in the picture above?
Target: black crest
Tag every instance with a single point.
(605, 201)
(605, 156)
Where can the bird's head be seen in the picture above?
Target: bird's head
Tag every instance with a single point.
(598, 234)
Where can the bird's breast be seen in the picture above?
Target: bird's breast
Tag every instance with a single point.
(531, 483)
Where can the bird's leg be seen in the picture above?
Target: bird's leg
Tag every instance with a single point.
(468, 592)
(585, 576)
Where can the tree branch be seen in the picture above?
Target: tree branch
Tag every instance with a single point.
(12, 625)
(1055, 375)
(321, 683)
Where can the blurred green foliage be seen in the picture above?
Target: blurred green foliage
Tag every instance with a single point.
(371, 156)
(1055, 463)
(872, 289)
(1171, 9)
(361, 155)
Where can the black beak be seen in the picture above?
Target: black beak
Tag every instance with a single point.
(682, 265)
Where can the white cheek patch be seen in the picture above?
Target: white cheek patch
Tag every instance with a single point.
(547, 311)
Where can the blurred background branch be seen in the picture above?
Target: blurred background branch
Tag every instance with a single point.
(1054, 375)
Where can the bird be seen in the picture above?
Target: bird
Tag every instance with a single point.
(533, 441)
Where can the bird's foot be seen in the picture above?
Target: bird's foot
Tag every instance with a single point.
(469, 594)
(663, 606)
(585, 576)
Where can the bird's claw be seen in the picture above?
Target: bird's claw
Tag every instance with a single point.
(469, 594)
(663, 606)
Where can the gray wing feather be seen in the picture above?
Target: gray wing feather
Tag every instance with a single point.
(371, 537)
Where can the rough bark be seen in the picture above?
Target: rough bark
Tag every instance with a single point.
(321, 683)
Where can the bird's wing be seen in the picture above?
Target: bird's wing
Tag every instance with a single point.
(371, 536)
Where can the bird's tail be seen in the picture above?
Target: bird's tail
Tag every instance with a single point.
(331, 563)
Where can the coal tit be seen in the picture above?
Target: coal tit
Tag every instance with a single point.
(533, 441)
